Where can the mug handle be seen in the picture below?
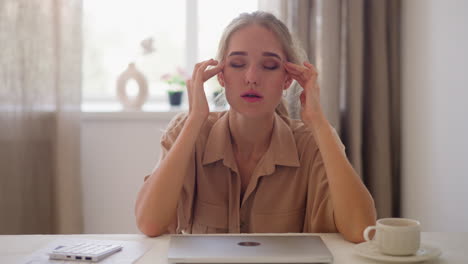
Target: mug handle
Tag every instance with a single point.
(366, 232)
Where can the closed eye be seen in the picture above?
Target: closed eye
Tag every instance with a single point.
(237, 65)
(274, 67)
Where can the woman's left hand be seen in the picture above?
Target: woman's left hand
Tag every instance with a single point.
(306, 76)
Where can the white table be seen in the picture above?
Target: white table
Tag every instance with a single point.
(454, 247)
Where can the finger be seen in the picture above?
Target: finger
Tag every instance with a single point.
(213, 71)
(195, 69)
(299, 77)
(309, 65)
(292, 70)
(295, 74)
(294, 67)
(189, 91)
(202, 68)
(301, 72)
(312, 68)
(308, 73)
(308, 70)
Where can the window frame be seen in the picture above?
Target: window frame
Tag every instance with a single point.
(157, 103)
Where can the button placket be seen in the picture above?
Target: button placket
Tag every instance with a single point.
(243, 223)
(245, 211)
(234, 202)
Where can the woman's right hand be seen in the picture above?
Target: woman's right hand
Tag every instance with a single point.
(198, 105)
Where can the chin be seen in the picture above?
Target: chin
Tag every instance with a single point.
(253, 112)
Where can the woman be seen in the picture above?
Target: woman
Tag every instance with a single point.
(252, 169)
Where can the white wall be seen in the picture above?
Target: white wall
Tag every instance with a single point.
(117, 151)
(435, 113)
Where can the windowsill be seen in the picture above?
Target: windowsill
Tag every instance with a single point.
(114, 106)
(113, 111)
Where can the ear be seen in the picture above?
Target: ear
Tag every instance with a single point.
(220, 77)
(287, 82)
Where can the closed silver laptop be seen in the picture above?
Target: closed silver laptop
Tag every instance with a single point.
(244, 248)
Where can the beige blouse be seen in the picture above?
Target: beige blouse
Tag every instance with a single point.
(288, 190)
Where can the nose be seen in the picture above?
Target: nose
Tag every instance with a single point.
(251, 75)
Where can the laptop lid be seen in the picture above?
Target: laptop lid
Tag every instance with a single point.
(229, 248)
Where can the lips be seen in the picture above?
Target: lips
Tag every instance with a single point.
(252, 96)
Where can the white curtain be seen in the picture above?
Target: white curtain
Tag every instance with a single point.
(40, 82)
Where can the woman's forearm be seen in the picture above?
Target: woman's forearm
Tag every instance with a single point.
(353, 205)
(157, 200)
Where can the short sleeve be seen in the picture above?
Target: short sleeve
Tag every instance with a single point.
(185, 203)
(319, 211)
(170, 135)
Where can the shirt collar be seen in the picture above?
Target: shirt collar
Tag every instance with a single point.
(282, 149)
(219, 144)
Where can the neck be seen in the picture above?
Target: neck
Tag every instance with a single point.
(251, 136)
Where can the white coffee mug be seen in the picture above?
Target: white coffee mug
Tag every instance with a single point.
(396, 236)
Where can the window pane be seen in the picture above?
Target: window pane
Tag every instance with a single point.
(212, 23)
(112, 34)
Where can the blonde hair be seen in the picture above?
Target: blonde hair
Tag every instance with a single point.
(294, 53)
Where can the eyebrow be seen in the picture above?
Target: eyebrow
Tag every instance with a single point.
(266, 53)
(271, 54)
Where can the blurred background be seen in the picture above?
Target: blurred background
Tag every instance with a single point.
(87, 88)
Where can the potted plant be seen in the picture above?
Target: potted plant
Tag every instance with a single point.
(177, 82)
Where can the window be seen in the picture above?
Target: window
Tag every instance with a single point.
(182, 32)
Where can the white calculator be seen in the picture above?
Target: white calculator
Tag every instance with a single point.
(89, 251)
